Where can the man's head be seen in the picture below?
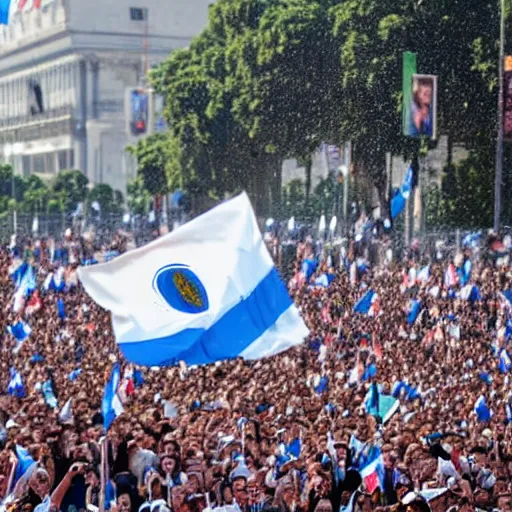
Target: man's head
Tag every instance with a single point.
(240, 491)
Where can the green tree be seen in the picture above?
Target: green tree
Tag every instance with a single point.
(70, 188)
(36, 195)
(269, 80)
(151, 153)
(110, 201)
(138, 198)
(454, 40)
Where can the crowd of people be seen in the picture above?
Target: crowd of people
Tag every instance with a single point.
(300, 431)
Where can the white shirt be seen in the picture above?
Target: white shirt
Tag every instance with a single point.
(44, 506)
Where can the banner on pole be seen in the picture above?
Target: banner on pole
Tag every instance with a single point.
(422, 112)
(507, 101)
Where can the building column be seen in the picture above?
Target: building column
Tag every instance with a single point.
(82, 131)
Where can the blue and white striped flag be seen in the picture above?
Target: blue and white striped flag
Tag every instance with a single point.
(364, 305)
(482, 412)
(505, 364)
(75, 374)
(414, 311)
(20, 330)
(15, 386)
(111, 406)
(55, 281)
(424, 274)
(49, 395)
(378, 404)
(25, 466)
(208, 291)
(324, 280)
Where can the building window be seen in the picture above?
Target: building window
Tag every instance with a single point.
(62, 159)
(38, 163)
(44, 163)
(71, 161)
(49, 163)
(26, 165)
(35, 98)
(137, 14)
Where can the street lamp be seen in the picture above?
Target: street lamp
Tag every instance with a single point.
(499, 140)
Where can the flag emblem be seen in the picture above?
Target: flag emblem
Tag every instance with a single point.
(180, 287)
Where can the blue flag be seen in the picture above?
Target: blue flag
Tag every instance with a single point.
(15, 386)
(399, 201)
(25, 463)
(482, 412)
(378, 404)
(370, 371)
(21, 331)
(398, 386)
(138, 379)
(5, 6)
(61, 308)
(505, 364)
(49, 396)
(324, 280)
(294, 448)
(74, 374)
(373, 398)
(322, 386)
(414, 311)
(308, 267)
(365, 303)
(111, 406)
(18, 272)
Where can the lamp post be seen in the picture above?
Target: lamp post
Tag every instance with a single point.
(499, 140)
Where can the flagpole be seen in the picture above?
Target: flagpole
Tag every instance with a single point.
(168, 481)
(11, 477)
(103, 486)
(499, 140)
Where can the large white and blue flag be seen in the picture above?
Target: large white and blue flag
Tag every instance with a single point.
(205, 292)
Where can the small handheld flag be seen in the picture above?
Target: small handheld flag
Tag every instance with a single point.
(481, 410)
(504, 364)
(414, 311)
(20, 331)
(364, 306)
(111, 406)
(16, 387)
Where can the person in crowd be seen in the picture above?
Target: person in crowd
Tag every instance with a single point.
(303, 431)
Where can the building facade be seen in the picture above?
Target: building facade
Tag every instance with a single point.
(66, 67)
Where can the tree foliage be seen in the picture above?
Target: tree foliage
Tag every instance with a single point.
(138, 198)
(70, 187)
(110, 201)
(151, 153)
(268, 80)
(58, 195)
